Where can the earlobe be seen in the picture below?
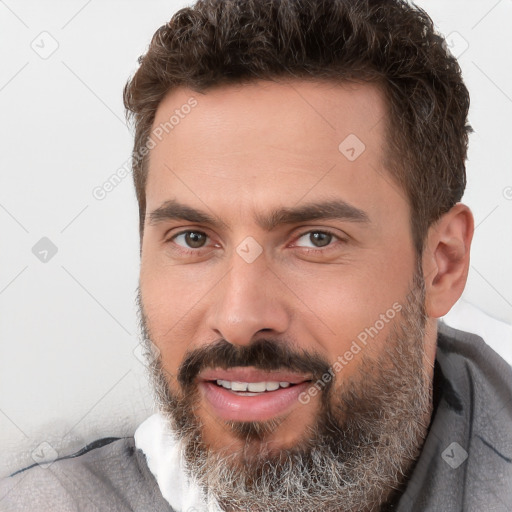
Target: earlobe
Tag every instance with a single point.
(446, 259)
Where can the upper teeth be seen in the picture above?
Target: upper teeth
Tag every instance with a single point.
(255, 387)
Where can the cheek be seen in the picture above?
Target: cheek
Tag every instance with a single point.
(174, 298)
(356, 302)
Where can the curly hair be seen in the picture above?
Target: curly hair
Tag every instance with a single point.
(388, 42)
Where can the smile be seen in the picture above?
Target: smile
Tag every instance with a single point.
(248, 394)
(252, 388)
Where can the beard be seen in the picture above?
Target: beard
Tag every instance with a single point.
(358, 453)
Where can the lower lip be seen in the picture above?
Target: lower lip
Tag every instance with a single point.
(230, 406)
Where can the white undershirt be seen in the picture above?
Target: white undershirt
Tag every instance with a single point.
(165, 460)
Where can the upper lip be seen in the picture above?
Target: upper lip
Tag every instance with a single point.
(250, 374)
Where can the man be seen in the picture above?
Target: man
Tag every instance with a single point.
(298, 167)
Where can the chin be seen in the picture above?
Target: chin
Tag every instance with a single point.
(257, 438)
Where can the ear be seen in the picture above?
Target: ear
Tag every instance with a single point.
(446, 259)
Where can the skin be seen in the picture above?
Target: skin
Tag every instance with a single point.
(244, 151)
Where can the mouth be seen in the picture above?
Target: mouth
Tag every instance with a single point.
(248, 394)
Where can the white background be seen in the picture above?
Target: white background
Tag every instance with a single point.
(68, 331)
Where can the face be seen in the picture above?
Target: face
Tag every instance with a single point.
(280, 285)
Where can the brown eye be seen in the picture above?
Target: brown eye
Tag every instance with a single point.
(191, 239)
(320, 239)
(315, 239)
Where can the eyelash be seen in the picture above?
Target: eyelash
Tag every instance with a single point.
(307, 250)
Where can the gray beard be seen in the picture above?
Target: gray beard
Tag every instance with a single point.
(368, 433)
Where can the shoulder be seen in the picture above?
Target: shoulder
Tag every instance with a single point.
(108, 474)
(465, 354)
(482, 381)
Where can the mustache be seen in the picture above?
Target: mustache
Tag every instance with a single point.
(263, 354)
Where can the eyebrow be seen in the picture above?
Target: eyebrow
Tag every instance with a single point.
(334, 209)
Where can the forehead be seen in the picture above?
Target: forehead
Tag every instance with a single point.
(300, 115)
(273, 140)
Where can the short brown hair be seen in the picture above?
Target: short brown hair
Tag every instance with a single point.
(222, 42)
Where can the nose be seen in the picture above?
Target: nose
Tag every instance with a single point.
(248, 300)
